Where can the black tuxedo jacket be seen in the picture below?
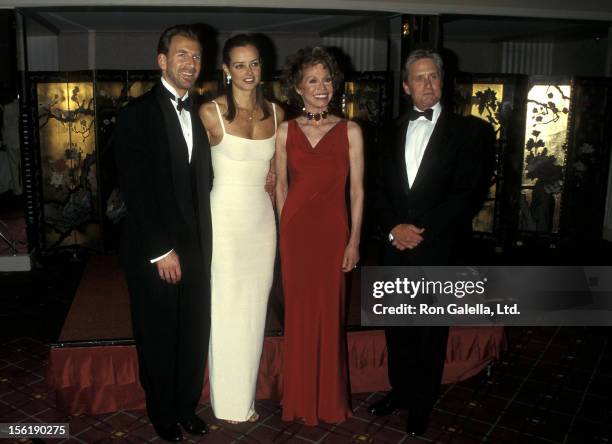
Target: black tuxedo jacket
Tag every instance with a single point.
(165, 209)
(449, 189)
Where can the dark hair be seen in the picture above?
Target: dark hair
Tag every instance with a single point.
(293, 72)
(419, 54)
(165, 38)
(239, 41)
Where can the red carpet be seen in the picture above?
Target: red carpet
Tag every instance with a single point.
(89, 377)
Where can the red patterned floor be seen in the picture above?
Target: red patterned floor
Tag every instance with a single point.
(553, 386)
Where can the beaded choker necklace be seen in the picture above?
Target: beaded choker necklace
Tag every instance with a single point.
(316, 117)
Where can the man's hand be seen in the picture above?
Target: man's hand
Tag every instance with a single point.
(169, 268)
(406, 236)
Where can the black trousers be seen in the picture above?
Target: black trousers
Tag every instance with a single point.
(171, 326)
(415, 363)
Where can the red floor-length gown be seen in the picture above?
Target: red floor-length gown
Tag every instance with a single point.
(313, 236)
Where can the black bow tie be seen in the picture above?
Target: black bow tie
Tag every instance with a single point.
(181, 104)
(184, 104)
(415, 114)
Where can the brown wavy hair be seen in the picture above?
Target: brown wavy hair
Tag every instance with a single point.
(293, 73)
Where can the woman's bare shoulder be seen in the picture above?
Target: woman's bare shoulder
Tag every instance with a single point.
(283, 127)
(280, 112)
(353, 127)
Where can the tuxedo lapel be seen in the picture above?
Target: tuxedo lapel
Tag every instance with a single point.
(179, 157)
(202, 167)
(200, 154)
(434, 149)
(400, 150)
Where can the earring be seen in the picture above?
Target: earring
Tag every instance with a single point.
(228, 78)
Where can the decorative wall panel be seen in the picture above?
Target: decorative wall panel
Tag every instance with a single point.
(490, 98)
(546, 132)
(365, 98)
(486, 103)
(67, 134)
(588, 161)
(76, 115)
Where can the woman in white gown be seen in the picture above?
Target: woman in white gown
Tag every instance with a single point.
(241, 127)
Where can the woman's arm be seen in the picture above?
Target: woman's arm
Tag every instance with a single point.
(351, 253)
(210, 119)
(271, 177)
(280, 160)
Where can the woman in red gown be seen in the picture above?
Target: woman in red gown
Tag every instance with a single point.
(315, 156)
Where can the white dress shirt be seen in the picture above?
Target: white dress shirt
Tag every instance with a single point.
(417, 137)
(184, 117)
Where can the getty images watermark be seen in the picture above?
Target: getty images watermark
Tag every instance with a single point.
(486, 296)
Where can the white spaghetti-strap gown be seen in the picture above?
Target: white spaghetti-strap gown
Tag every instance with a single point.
(244, 248)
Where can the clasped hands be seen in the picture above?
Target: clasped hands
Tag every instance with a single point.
(406, 236)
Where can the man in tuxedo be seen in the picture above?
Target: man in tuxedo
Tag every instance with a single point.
(435, 173)
(163, 166)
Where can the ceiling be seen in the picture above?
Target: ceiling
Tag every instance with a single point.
(497, 29)
(566, 9)
(44, 21)
(255, 21)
